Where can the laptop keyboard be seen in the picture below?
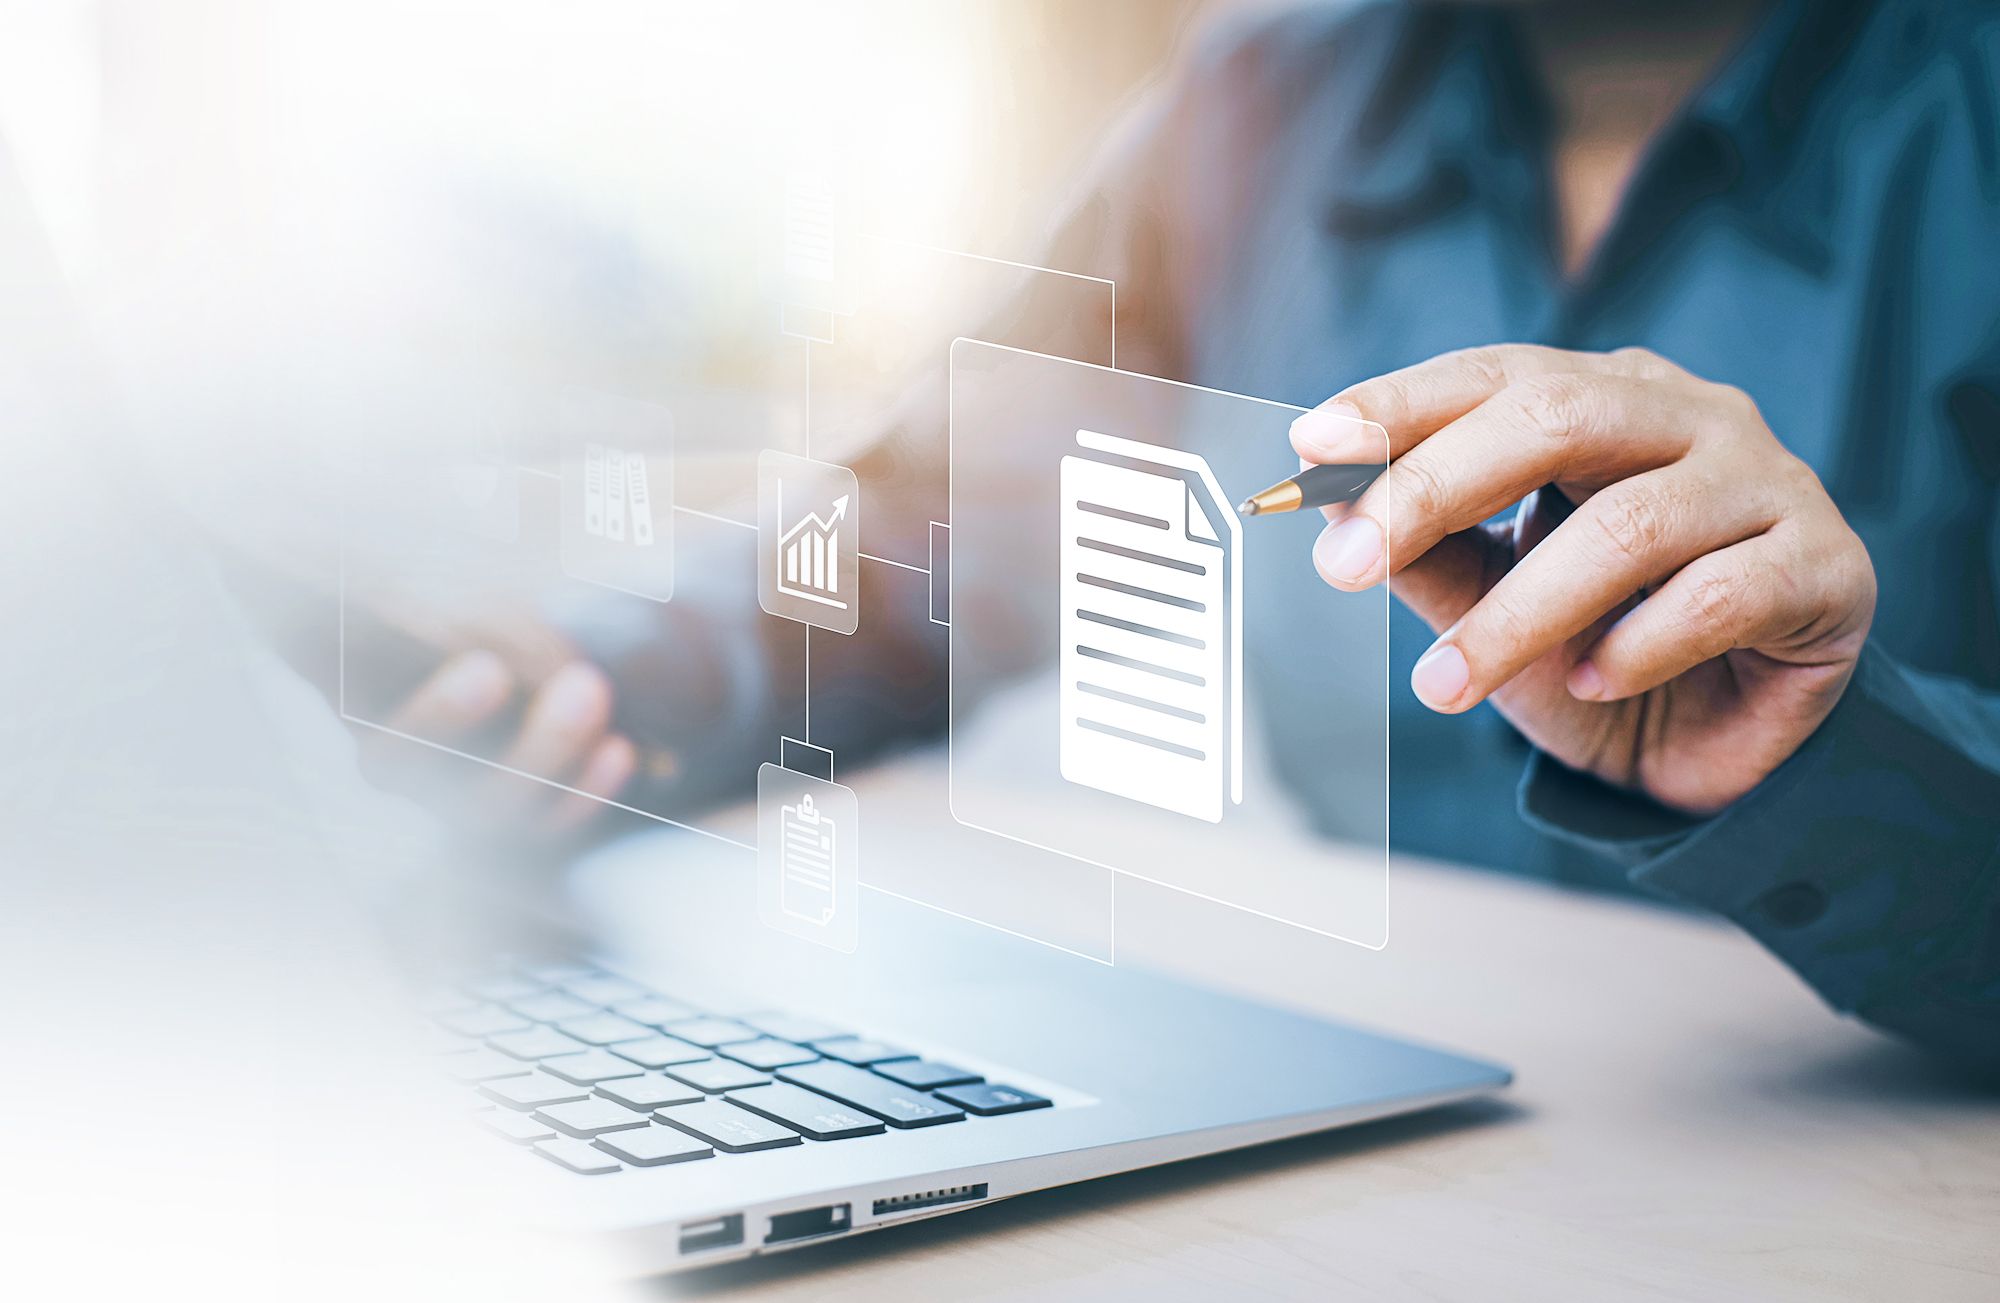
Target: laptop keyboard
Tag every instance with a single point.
(597, 1073)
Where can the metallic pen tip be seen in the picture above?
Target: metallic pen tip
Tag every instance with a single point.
(1248, 507)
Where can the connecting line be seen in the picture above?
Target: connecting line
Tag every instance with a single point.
(1024, 266)
(537, 470)
(900, 565)
(807, 739)
(720, 520)
(546, 782)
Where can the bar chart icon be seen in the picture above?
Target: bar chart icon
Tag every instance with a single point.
(809, 555)
(808, 541)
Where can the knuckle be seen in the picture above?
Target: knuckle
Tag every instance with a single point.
(1644, 363)
(1556, 406)
(1737, 403)
(1501, 625)
(1714, 604)
(1489, 362)
(1633, 524)
(1423, 495)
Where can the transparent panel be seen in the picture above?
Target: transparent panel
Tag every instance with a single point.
(1123, 642)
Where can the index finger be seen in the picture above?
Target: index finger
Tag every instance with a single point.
(1416, 402)
(459, 696)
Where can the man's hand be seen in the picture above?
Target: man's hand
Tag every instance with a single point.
(563, 734)
(1677, 603)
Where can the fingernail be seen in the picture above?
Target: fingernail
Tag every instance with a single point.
(575, 695)
(1327, 432)
(1347, 551)
(1440, 676)
(475, 682)
(1586, 682)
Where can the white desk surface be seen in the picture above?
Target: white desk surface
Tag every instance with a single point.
(1687, 1122)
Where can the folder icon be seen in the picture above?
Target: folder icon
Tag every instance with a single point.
(1151, 635)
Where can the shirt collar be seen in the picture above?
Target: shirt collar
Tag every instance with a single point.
(1454, 111)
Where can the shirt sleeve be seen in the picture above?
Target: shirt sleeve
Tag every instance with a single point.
(1869, 862)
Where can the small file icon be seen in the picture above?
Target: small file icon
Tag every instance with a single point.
(1152, 642)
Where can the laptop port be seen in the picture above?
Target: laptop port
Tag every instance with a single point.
(715, 1233)
(904, 1203)
(808, 1222)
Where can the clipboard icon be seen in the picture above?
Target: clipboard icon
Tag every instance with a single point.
(808, 879)
(807, 837)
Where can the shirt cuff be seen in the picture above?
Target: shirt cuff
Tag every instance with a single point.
(1849, 861)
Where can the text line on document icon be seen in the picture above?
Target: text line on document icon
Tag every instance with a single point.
(1151, 639)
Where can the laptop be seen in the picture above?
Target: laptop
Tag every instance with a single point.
(706, 1089)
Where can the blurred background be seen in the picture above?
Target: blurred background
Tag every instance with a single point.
(263, 252)
(253, 202)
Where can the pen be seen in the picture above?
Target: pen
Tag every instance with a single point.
(1316, 486)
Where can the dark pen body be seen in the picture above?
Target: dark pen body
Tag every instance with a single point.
(1316, 486)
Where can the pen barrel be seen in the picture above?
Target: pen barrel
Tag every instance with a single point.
(1324, 486)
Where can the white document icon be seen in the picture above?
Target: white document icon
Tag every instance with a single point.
(1152, 642)
(806, 835)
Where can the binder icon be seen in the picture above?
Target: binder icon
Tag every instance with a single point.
(1152, 639)
(806, 836)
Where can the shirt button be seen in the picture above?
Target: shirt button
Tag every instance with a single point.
(1793, 905)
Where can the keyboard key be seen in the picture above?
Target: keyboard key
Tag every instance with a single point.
(728, 1128)
(988, 1100)
(923, 1074)
(532, 1091)
(577, 1156)
(551, 1006)
(717, 1075)
(654, 1146)
(587, 1118)
(802, 1110)
(711, 1032)
(859, 1050)
(482, 1020)
(502, 986)
(604, 1028)
(480, 1065)
(603, 988)
(768, 1053)
(589, 1068)
(895, 1104)
(659, 1052)
(535, 1043)
(649, 1092)
(787, 1027)
(655, 1010)
(556, 973)
(520, 1129)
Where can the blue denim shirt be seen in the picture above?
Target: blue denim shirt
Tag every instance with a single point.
(1340, 192)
